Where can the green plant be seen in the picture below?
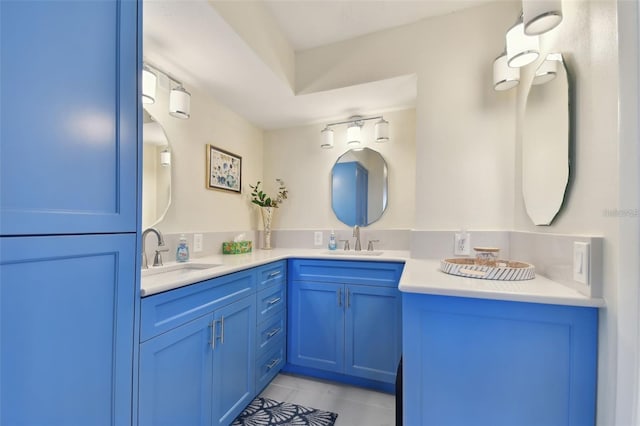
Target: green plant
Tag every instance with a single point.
(260, 198)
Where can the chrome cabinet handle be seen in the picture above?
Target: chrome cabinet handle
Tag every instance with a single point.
(273, 332)
(274, 274)
(212, 342)
(348, 298)
(273, 363)
(222, 330)
(339, 297)
(272, 301)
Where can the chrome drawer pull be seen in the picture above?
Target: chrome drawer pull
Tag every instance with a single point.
(276, 300)
(339, 297)
(273, 364)
(348, 299)
(222, 331)
(273, 332)
(274, 274)
(212, 342)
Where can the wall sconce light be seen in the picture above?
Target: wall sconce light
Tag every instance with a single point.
(521, 48)
(165, 158)
(149, 80)
(179, 98)
(354, 134)
(327, 138)
(504, 77)
(541, 16)
(547, 70)
(180, 103)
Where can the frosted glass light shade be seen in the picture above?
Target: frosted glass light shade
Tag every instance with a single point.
(327, 138)
(165, 158)
(541, 16)
(149, 80)
(353, 134)
(521, 49)
(504, 77)
(547, 70)
(180, 103)
(382, 130)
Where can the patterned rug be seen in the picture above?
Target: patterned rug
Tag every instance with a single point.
(264, 411)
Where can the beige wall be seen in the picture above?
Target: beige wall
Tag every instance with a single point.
(295, 155)
(195, 208)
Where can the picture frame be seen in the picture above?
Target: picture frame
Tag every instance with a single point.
(224, 170)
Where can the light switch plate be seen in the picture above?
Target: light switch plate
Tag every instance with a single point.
(317, 238)
(581, 262)
(462, 244)
(197, 243)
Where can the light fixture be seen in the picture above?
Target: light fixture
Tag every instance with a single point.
(327, 138)
(541, 16)
(180, 102)
(521, 48)
(547, 70)
(504, 77)
(149, 80)
(165, 158)
(354, 133)
(382, 130)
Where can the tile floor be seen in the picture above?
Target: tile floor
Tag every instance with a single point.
(355, 406)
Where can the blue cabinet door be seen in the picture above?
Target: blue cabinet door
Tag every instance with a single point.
(373, 337)
(233, 360)
(66, 329)
(496, 363)
(69, 117)
(175, 376)
(316, 325)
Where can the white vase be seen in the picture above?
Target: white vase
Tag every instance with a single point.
(267, 215)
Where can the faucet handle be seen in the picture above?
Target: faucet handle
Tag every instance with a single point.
(346, 244)
(370, 245)
(157, 260)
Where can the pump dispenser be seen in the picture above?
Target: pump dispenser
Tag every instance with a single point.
(182, 253)
(332, 241)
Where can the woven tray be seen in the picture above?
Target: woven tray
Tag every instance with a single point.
(506, 270)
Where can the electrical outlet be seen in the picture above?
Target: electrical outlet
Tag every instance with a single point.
(462, 244)
(317, 238)
(581, 262)
(197, 243)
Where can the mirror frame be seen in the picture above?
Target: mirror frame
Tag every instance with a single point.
(148, 118)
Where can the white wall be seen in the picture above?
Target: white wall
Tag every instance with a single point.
(295, 155)
(196, 208)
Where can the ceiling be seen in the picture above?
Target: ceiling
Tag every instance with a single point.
(190, 41)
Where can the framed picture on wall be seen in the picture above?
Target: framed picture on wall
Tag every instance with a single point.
(224, 170)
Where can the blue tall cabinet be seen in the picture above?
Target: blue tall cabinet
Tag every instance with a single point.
(68, 210)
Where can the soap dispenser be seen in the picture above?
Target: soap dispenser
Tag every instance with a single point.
(332, 241)
(182, 253)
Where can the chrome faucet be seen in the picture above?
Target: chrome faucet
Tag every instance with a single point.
(356, 233)
(156, 262)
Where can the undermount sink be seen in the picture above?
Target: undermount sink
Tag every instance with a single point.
(353, 252)
(178, 269)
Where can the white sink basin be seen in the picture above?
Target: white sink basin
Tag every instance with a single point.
(353, 253)
(177, 269)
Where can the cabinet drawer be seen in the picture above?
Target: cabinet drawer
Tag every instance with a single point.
(344, 271)
(271, 274)
(164, 311)
(269, 365)
(271, 301)
(270, 333)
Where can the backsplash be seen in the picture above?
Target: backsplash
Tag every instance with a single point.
(211, 244)
(388, 239)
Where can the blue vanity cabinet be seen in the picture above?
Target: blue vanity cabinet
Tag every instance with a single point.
(345, 319)
(69, 117)
(498, 363)
(197, 358)
(66, 329)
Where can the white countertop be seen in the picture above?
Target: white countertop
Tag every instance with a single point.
(419, 276)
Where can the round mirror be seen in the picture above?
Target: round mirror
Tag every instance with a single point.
(156, 169)
(545, 141)
(359, 187)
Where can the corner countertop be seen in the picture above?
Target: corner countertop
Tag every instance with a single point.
(419, 276)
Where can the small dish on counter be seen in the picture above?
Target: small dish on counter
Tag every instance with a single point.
(502, 270)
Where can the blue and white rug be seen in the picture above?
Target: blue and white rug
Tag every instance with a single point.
(264, 411)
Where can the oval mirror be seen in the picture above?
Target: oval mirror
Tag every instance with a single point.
(545, 141)
(359, 187)
(156, 169)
